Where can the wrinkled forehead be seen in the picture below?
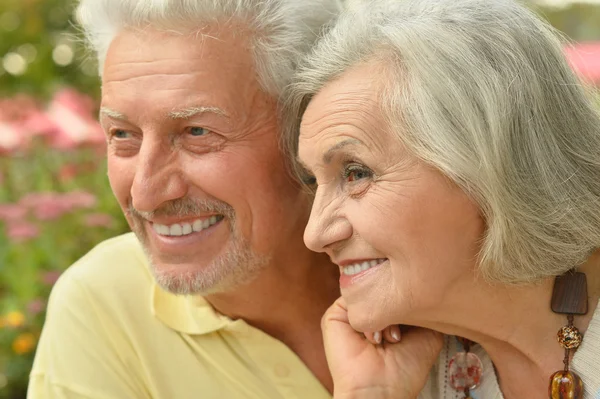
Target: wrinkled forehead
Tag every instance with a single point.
(351, 99)
(216, 50)
(153, 67)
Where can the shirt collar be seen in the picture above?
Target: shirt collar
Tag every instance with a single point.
(187, 314)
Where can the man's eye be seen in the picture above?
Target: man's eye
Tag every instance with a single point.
(198, 131)
(120, 134)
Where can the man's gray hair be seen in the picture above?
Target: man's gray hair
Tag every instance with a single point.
(482, 91)
(281, 31)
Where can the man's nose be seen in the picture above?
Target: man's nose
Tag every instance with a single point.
(158, 178)
(326, 225)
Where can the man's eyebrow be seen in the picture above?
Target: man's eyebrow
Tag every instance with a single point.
(185, 113)
(328, 156)
(188, 113)
(112, 114)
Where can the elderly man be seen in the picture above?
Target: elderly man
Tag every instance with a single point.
(215, 296)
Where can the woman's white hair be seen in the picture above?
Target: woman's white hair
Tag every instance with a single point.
(482, 91)
(282, 31)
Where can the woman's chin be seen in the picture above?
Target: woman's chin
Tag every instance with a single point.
(365, 318)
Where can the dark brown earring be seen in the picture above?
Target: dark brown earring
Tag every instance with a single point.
(569, 297)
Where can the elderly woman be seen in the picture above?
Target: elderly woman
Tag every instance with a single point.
(456, 161)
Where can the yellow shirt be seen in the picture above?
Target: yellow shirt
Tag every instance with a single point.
(112, 333)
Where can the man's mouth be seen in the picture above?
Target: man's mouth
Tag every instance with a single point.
(184, 229)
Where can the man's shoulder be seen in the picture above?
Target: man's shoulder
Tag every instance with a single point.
(113, 257)
(114, 267)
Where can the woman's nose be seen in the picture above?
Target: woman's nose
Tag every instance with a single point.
(326, 225)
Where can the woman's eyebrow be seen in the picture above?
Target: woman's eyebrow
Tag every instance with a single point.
(328, 156)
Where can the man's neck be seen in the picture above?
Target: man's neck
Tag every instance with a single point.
(287, 301)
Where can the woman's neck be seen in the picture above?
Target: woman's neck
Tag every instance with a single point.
(517, 328)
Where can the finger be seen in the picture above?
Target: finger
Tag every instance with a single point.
(392, 334)
(335, 320)
(374, 337)
(338, 334)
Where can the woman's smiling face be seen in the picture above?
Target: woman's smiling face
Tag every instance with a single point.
(402, 233)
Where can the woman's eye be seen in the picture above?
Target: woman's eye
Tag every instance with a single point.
(354, 172)
(198, 131)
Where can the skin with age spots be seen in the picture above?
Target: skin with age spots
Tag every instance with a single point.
(375, 200)
(190, 136)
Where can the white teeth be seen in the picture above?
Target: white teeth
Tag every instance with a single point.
(162, 229)
(357, 268)
(176, 230)
(184, 229)
(197, 225)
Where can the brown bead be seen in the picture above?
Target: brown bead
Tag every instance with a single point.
(565, 385)
(569, 295)
(569, 337)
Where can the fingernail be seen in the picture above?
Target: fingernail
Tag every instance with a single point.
(395, 334)
(377, 337)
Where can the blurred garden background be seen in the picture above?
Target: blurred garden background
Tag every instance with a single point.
(55, 200)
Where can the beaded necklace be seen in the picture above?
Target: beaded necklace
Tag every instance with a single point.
(569, 297)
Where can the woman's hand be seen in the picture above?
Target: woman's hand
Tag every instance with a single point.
(382, 365)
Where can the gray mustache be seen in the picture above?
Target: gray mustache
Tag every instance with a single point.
(184, 207)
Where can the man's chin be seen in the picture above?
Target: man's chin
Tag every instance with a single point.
(186, 279)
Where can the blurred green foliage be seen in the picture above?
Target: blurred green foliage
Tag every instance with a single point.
(580, 22)
(33, 29)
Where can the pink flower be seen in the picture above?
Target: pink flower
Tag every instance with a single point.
(12, 212)
(49, 278)
(39, 124)
(32, 199)
(98, 220)
(21, 119)
(80, 199)
(22, 231)
(45, 206)
(72, 113)
(51, 206)
(51, 209)
(36, 306)
(11, 137)
(67, 172)
(585, 60)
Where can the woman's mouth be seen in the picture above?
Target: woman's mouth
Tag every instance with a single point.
(360, 267)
